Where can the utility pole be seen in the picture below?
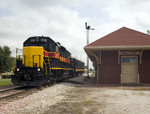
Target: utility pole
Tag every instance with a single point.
(87, 35)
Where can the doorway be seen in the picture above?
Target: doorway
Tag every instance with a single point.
(129, 70)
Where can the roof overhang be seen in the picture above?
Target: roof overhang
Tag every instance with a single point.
(109, 48)
(92, 50)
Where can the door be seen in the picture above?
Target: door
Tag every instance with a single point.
(129, 69)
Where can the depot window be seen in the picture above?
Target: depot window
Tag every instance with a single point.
(128, 60)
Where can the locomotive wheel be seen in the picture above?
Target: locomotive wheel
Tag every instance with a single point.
(45, 85)
(49, 82)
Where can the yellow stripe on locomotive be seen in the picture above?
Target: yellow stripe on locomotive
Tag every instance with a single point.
(33, 56)
(79, 70)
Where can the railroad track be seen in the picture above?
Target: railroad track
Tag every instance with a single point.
(8, 92)
(10, 95)
(10, 88)
(18, 92)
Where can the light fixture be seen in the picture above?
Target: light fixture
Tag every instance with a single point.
(38, 69)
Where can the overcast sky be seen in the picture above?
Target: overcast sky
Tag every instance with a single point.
(64, 20)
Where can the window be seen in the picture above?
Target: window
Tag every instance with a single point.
(57, 49)
(128, 59)
(51, 46)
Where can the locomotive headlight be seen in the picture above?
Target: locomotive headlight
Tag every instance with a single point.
(38, 69)
(17, 69)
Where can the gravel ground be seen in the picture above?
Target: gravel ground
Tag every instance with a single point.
(124, 101)
(37, 103)
(66, 98)
(103, 100)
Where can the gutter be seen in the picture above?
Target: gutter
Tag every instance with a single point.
(95, 48)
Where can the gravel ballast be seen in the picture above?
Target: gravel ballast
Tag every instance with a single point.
(38, 102)
(76, 98)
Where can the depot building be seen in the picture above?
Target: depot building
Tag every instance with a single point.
(121, 57)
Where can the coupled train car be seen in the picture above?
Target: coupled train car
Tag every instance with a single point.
(43, 62)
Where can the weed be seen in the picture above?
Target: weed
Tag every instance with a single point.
(89, 102)
(5, 82)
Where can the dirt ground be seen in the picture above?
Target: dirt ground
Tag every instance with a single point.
(90, 99)
(82, 96)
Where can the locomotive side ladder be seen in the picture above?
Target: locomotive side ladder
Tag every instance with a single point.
(47, 66)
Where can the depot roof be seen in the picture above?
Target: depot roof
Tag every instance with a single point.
(123, 38)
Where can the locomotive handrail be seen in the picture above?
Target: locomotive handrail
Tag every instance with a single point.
(49, 66)
(39, 60)
(45, 66)
(24, 59)
(18, 57)
(13, 67)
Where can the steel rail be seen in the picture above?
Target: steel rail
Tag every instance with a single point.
(13, 95)
(10, 88)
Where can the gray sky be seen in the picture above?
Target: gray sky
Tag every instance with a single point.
(64, 20)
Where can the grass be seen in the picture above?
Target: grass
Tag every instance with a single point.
(5, 82)
(89, 102)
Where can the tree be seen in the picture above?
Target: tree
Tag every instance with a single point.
(5, 59)
(148, 32)
(1, 59)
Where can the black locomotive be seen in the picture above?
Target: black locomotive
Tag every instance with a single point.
(43, 62)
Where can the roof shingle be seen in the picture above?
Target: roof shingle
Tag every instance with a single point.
(123, 37)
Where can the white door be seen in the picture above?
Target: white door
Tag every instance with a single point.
(129, 69)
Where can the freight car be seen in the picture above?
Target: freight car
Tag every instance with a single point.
(43, 62)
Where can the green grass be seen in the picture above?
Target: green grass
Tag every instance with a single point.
(5, 82)
(89, 102)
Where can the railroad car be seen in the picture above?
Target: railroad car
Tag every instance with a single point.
(44, 61)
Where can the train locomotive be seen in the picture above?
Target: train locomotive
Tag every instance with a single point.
(44, 61)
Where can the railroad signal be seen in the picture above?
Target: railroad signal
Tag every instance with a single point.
(87, 35)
